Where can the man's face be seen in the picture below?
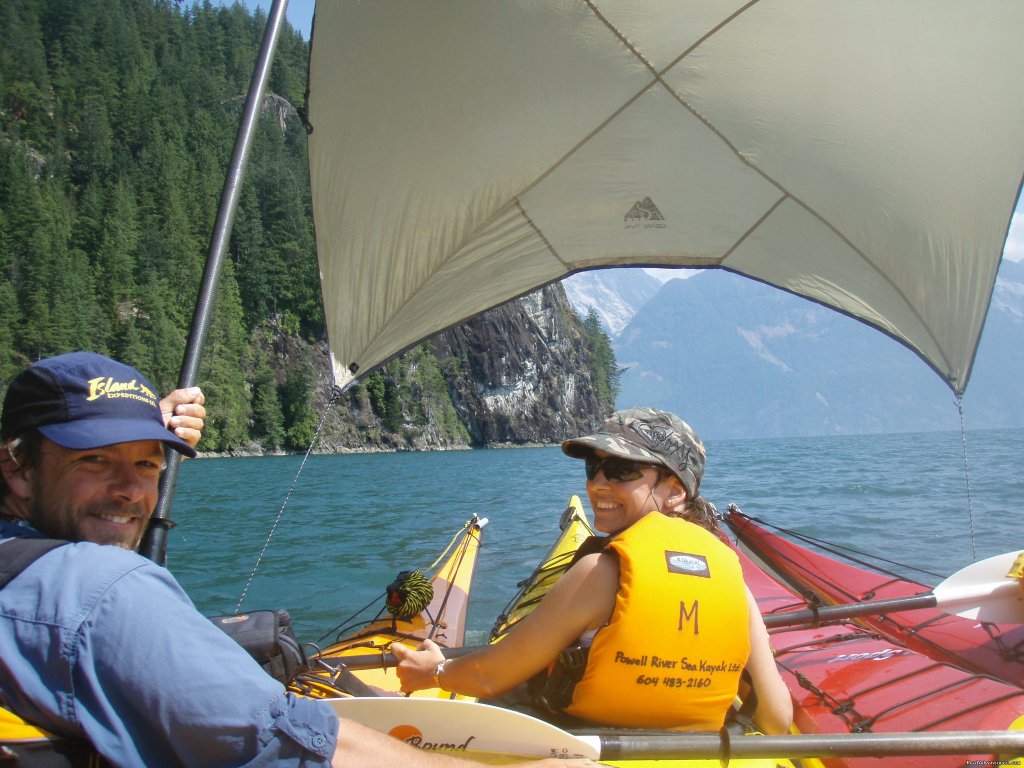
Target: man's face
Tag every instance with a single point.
(104, 495)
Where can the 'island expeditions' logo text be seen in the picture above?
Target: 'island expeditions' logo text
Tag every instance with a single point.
(644, 215)
(107, 387)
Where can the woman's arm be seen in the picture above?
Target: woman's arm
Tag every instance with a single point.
(582, 599)
(774, 712)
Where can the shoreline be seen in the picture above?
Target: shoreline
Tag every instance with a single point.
(256, 451)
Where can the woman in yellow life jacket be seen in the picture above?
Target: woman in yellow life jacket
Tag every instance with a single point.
(660, 604)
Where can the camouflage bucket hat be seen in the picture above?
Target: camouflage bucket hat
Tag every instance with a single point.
(647, 434)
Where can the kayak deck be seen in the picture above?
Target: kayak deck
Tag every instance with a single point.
(443, 621)
(986, 648)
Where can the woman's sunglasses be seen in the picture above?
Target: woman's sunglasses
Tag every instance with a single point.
(615, 470)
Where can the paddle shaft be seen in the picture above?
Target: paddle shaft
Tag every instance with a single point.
(975, 585)
(154, 541)
(383, 659)
(812, 616)
(495, 729)
(665, 745)
(825, 613)
(946, 597)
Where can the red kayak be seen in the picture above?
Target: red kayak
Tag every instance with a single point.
(990, 649)
(847, 679)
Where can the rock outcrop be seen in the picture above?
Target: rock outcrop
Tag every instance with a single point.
(519, 374)
(527, 377)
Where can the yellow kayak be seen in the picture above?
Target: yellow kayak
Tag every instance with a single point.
(575, 529)
(442, 620)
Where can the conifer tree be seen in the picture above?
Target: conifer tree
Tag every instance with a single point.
(300, 419)
(267, 416)
(223, 370)
(117, 254)
(604, 370)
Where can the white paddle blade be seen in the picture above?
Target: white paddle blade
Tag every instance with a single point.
(984, 592)
(459, 726)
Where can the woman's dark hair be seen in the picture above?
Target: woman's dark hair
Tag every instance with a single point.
(699, 511)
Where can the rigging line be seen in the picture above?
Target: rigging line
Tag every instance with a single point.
(845, 709)
(925, 670)
(451, 544)
(350, 621)
(842, 551)
(533, 581)
(1008, 652)
(443, 607)
(956, 712)
(816, 644)
(335, 394)
(967, 477)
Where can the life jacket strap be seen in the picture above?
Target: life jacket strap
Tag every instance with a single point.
(552, 691)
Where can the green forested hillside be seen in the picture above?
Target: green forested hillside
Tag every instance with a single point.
(117, 121)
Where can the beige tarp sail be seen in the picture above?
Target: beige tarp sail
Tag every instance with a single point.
(866, 154)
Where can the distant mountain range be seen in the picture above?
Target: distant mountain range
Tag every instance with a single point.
(737, 358)
(615, 294)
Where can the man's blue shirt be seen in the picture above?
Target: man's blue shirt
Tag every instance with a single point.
(99, 642)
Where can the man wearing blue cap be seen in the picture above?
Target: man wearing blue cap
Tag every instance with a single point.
(63, 406)
(101, 644)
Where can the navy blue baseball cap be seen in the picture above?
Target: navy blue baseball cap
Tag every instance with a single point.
(83, 400)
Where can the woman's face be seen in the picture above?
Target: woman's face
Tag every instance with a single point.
(618, 503)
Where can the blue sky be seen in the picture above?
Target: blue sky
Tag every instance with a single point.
(1014, 250)
(300, 16)
(299, 12)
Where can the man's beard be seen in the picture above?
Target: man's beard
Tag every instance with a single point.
(69, 524)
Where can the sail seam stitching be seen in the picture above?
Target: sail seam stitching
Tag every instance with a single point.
(710, 33)
(541, 235)
(755, 225)
(826, 223)
(657, 78)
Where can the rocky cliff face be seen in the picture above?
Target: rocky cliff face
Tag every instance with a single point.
(518, 374)
(527, 372)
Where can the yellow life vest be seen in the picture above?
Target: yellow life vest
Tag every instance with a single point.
(677, 641)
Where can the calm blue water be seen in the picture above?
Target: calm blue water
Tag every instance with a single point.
(353, 521)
